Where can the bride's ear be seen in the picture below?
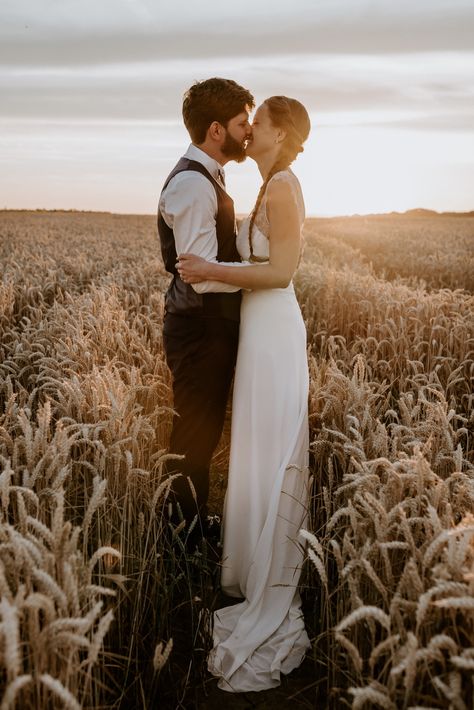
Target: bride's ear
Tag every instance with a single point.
(281, 135)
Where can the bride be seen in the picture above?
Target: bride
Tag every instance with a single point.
(266, 501)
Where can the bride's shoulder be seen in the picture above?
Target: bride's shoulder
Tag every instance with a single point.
(285, 175)
(284, 180)
(284, 189)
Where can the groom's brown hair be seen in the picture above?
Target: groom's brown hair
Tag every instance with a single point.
(212, 100)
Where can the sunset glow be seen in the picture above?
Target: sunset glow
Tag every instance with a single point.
(91, 115)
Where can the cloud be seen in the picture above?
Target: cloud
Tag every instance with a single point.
(130, 60)
(449, 122)
(91, 96)
(442, 85)
(115, 33)
(158, 99)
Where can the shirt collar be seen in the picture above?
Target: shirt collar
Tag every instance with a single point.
(211, 165)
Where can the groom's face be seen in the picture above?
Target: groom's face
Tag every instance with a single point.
(238, 132)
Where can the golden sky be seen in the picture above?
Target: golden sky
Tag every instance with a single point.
(91, 90)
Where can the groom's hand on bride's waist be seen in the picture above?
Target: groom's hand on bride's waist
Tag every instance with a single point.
(193, 268)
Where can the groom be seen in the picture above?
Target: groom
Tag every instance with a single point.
(200, 331)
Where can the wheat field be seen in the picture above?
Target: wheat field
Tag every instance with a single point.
(101, 606)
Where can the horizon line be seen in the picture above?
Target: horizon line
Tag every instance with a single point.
(420, 211)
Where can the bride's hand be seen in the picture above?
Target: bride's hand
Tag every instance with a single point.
(192, 268)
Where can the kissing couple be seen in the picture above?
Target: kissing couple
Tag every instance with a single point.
(231, 306)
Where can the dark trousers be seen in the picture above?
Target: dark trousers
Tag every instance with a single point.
(201, 354)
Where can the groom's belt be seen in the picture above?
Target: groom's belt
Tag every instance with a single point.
(182, 299)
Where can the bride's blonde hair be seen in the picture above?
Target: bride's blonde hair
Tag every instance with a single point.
(291, 116)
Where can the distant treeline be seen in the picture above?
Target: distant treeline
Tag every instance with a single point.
(417, 212)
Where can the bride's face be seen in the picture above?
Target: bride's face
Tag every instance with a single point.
(264, 134)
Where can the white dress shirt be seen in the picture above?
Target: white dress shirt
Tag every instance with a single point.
(188, 205)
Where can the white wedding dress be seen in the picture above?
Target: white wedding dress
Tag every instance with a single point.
(267, 495)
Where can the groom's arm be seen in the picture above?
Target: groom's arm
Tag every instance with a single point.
(189, 207)
(284, 249)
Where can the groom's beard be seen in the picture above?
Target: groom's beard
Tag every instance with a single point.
(232, 149)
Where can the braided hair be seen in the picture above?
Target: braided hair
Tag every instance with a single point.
(291, 116)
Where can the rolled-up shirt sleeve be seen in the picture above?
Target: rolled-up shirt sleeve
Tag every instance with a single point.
(189, 206)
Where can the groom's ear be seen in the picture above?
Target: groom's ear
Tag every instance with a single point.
(216, 131)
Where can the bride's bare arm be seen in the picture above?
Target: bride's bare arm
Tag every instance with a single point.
(284, 246)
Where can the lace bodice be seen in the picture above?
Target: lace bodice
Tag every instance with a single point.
(261, 227)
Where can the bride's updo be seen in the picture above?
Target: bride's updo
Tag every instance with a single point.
(291, 116)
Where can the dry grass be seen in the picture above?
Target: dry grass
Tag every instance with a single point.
(92, 585)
